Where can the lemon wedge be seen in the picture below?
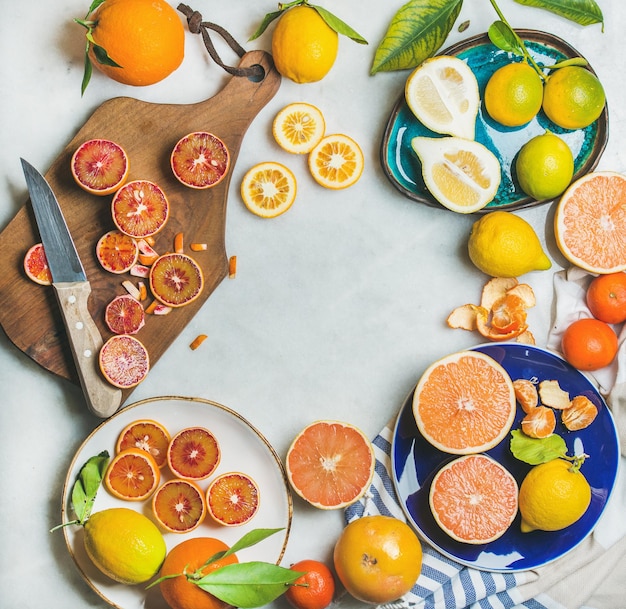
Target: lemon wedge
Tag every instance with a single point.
(463, 175)
(442, 92)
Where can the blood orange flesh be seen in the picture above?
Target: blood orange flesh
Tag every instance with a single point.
(179, 506)
(124, 361)
(36, 265)
(176, 279)
(124, 315)
(140, 209)
(464, 403)
(474, 499)
(147, 435)
(193, 453)
(200, 160)
(100, 166)
(132, 475)
(330, 464)
(233, 498)
(116, 252)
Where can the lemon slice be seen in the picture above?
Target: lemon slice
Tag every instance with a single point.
(442, 92)
(298, 127)
(268, 189)
(463, 175)
(336, 162)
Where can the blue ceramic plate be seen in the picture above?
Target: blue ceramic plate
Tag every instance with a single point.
(414, 463)
(402, 166)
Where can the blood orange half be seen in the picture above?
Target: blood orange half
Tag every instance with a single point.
(233, 498)
(176, 279)
(179, 506)
(124, 315)
(36, 265)
(590, 222)
(200, 160)
(100, 166)
(116, 252)
(140, 209)
(147, 435)
(474, 499)
(330, 464)
(124, 361)
(132, 475)
(464, 403)
(193, 453)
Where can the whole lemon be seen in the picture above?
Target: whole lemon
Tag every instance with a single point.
(573, 97)
(304, 46)
(502, 244)
(124, 544)
(544, 166)
(552, 496)
(513, 94)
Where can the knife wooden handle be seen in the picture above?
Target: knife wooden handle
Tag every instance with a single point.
(103, 399)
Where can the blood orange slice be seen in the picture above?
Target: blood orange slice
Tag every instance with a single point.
(590, 222)
(179, 506)
(36, 265)
(176, 279)
(330, 464)
(232, 498)
(116, 252)
(464, 403)
(100, 166)
(124, 315)
(132, 475)
(147, 435)
(124, 361)
(193, 453)
(474, 499)
(200, 160)
(140, 209)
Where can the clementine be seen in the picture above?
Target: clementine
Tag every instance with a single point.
(606, 298)
(589, 344)
(314, 589)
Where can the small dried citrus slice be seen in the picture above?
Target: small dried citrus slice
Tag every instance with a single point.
(148, 435)
(124, 361)
(330, 464)
(336, 162)
(193, 453)
(140, 209)
(100, 166)
(298, 127)
(179, 506)
(132, 475)
(124, 315)
(268, 189)
(176, 279)
(200, 160)
(116, 252)
(36, 265)
(474, 499)
(232, 499)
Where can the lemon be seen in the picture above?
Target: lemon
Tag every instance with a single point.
(502, 244)
(124, 544)
(442, 92)
(544, 166)
(304, 46)
(553, 496)
(463, 175)
(513, 94)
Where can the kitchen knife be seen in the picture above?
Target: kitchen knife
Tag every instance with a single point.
(72, 292)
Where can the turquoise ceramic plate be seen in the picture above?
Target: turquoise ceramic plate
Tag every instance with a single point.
(403, 168)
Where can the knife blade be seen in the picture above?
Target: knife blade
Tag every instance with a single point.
(72, 290)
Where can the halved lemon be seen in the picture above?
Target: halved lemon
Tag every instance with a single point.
(442, 92)
(298, 127)
(336, 162)
(268, 189)
(463, 175)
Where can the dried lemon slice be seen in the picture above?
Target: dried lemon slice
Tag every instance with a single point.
(336, 162)
(442, 92)
(298, 127)
(268, 189)
(463, 175)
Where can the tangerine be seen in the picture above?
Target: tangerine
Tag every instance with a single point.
(232, 499)
(589, 344)
(100, 166)
(193, 453)
(179, 506)
(200, 160)
(140, 209)
(124, 361)
(132, 475)
(606, 297)
(36, 265)
(147, 435)
(313, 590)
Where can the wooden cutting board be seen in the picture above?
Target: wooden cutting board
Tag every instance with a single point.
(29, 312)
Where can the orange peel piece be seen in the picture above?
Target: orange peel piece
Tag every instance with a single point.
(526, 338)
(525, 293)
(551, 394)
(232, 267)
(494, 289)
(197, 341)
(463, 317)
(483, 325)
(508, 313)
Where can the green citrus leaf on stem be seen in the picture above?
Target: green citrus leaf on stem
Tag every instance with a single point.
(416, 32)
(338, 25)
(502, 36)
(537, 450)
(266, 21)
(583, 12)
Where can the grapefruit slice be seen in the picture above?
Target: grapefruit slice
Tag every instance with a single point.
(132, 475)
(147, 435)
(124, 315)
(36, 265)
(100, 166)
(464, 403)
(124, 361)
(298, 127)
(200, 160)
(140, 209)
(176, 279)
(268, 189)
(474, 499)
(193, 453)
(336, 162)
(590, 223)
(116, 252)
(179, 506)
(232, 499)
(330, 464)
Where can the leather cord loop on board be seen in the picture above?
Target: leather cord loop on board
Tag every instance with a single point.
(197, 26)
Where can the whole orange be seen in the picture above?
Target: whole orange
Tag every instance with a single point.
(378, 558)
(145, 38)
(589, 344)
(606, 298)
(314, 589)
(188, 556)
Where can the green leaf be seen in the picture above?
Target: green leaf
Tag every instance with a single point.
(266, 21)
(583, 12)
(102, 57)
(249, 584)
(94, 5)
(338, 25)
(88, 482)
(502, 36)
(537, 450)
(416, 32)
